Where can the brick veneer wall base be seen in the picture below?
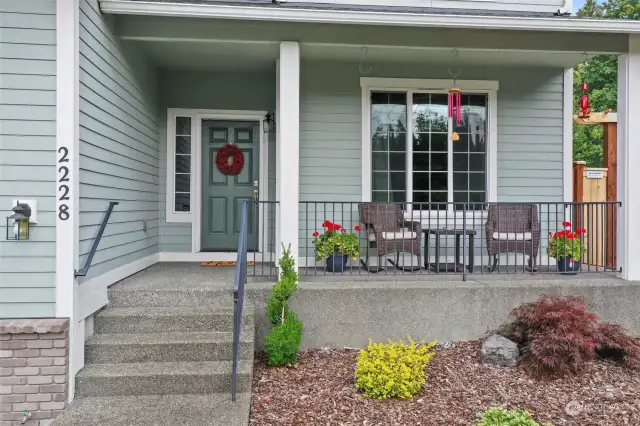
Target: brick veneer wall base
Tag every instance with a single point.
(34, 365)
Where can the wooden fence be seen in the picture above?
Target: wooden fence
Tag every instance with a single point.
(590, 185)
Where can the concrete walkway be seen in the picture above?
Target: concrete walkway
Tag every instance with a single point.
(158, 410)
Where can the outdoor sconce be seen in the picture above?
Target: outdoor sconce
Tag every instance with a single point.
(18, 222)
(269, 122)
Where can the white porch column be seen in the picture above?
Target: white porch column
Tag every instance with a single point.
(288, 146)
(628, 229)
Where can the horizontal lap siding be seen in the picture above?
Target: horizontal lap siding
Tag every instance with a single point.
(119, 146)
(27, 153)
(529, 143)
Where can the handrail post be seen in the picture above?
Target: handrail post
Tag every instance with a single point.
(238, 296)
(87, 264)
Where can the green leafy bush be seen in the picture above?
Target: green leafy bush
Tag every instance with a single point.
(500, 417)
(394, 369)
(283, 342)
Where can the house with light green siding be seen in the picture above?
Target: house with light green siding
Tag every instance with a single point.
(135, 130)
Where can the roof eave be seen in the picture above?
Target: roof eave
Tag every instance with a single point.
(285, 14)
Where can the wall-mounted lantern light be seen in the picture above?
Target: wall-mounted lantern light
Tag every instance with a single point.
(270, 122)
(18, 222)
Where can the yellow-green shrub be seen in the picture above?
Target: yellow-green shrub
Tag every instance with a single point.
(394, 369)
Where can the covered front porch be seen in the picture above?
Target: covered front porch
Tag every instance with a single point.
(343, 118)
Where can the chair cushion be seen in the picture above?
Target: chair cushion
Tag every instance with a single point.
(512, 236)
(401, 234)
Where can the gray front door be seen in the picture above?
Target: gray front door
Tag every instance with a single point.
(222, 195)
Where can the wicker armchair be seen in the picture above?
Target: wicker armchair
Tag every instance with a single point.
(513, 228)
(389, 232)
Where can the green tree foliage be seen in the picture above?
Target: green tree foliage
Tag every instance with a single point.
(601, 74)
(283, 341)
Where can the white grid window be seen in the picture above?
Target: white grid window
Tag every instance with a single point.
(440, 170)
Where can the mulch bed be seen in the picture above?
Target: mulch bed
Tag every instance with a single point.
(320, 390)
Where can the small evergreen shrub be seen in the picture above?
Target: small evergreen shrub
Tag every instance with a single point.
(283, 341)
(558, 336)
(500, 417)
(277, 307)
(394, 369)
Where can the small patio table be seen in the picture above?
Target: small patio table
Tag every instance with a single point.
(447, 266)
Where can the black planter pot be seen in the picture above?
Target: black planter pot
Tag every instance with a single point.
(336, 263)
(567, 266)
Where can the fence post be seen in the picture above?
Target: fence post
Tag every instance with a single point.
(578, 191)
(610, 151)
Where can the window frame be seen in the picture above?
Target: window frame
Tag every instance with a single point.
(410, 87)
(173, 216)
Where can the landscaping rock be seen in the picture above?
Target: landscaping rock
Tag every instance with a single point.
(447, 344)
(498, 350)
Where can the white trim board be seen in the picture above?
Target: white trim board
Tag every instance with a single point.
(67, 157)
(567, 135)
(369, 84)
(194, 216)
(382, 18)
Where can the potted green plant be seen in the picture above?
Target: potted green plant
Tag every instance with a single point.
(336, 245)
(567, 247)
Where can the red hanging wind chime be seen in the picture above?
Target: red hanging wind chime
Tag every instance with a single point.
(585, 109)
(455, 101)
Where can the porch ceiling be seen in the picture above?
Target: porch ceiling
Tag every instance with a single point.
(240, 55)
(150, 28)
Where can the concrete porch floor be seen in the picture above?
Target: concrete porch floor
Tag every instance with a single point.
(173, 275)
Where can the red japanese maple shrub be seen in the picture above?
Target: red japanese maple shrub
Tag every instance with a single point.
(615, 344)
(557, 335)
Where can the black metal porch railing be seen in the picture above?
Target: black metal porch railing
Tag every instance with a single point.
(238, 295)
(261, 238)
(465, 238)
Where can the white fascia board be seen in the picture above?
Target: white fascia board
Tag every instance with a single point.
(284, 14)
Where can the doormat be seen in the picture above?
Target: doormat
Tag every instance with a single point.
(226, 263)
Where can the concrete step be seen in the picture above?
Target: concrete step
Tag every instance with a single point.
(166, 347)
(150, 320)
(161, 378)
(156, 410)
(121, 296)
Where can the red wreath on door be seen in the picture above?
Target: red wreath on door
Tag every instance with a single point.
(222, 160)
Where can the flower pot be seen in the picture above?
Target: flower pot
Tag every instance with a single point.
(336, 263)
(568, 266)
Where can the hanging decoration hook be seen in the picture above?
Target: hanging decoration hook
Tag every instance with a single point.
(454, 75)
(585, 57)
(364, 69)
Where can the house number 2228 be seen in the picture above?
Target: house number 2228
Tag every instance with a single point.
(63, 179)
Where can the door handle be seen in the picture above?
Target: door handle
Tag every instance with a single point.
(256, 194)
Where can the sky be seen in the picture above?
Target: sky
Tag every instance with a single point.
(577, 4)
